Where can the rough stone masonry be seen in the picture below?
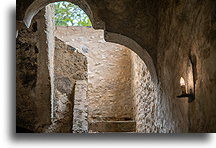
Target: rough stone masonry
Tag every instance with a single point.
(172, 37)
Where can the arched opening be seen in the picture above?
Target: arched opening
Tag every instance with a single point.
(138, 79)
(179, 42)
(37, 5)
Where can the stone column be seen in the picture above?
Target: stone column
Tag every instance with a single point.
(80, 123)
(45, 44)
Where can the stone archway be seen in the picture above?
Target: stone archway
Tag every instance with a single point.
(109, 36)
(97, 23)
(155, 28)
(37, 5)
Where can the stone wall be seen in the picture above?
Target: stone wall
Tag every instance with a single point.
(45, 43)
(50, 14)
(32, 73)
(178, 35)
(69, 66)
(26, 77)
(144, 96)
(186, 37)
(80, 112)
(109, 73)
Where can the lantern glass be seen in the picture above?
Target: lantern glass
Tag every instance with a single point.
(182, 82)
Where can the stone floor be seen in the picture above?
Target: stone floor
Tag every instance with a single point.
(112, 126)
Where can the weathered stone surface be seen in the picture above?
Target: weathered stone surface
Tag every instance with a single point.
(112, 126)
(109, 73)
(187, 31)
(80, 112)
(33, 103)
(134, 19)
(178, 35)
(62, 123)
(69, 66)
(69, 62)
(144, 96)
(26, 77)
(45, 43)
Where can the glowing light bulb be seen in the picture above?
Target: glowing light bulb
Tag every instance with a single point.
(182, 81)
(182, 84)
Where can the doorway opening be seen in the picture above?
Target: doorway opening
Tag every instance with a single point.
(98, 86)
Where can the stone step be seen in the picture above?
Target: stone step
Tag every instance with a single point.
(112, 126)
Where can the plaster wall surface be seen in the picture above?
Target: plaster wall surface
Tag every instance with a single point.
(187, 38)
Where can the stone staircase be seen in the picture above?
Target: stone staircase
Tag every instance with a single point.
(112, 126)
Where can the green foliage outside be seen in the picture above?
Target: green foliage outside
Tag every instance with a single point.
(68, 14)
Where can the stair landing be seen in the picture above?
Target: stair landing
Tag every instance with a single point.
(112, 126)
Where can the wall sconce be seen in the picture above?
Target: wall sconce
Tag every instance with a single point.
(184, 94)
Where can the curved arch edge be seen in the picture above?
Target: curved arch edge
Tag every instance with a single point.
(37, 5)
(133, 45)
